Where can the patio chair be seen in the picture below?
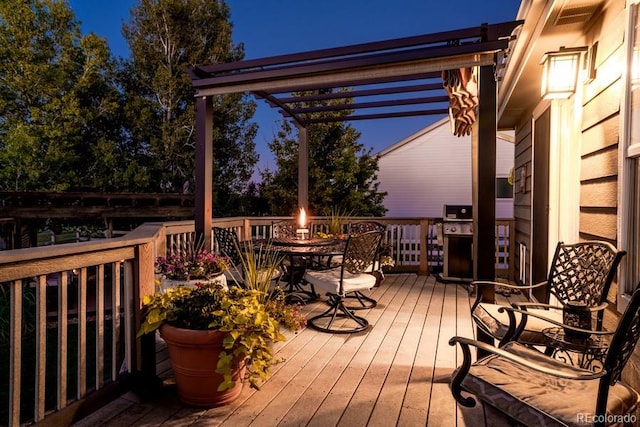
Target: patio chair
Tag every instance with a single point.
(531, 388)
(376, 267)
(366, 226)
(348, 278)
(283, 229)
(229, 245)
(293, 266)
(580, 273)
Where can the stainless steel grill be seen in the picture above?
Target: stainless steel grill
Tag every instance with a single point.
(457, 231)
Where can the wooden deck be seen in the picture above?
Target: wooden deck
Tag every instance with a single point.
(397, 373)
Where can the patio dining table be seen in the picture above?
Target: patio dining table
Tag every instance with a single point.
(298, 255)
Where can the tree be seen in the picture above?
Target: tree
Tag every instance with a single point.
(166, 37)
(58, 101)
(342, 173)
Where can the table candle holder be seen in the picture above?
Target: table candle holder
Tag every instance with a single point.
(302, 233)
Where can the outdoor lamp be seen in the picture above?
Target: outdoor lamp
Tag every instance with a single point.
(560, 72)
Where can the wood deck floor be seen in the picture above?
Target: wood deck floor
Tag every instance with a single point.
(396, 373)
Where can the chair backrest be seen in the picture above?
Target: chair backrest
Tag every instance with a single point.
(283, 229)
(625, 339)
(365, 226)
(228, 244)
(583, 271)
(622, 345)
(360, 251)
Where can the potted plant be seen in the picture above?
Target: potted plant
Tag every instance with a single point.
(218, 337)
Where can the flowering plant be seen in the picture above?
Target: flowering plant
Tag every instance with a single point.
(387, 261)
(191, 265)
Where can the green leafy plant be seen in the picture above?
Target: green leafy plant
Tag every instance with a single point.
(260, 267)
(338, 220)
(261, 272)
(250, 324)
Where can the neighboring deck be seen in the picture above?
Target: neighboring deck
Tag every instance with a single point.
(397, 373)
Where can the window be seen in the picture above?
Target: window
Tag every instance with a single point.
(504, 190)
(629, 207)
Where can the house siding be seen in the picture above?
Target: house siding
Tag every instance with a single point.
(522, 198)
(440, 165)
(600, 128)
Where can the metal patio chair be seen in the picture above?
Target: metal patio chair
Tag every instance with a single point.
(531, 388)
(341, 281)
(580, 273)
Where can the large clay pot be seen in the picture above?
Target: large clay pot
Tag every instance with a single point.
(194, 356)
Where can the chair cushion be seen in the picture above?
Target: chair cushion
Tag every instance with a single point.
(516, 390)
(329, 280)
(497, 323)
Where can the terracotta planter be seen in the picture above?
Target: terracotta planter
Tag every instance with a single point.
(194, 356)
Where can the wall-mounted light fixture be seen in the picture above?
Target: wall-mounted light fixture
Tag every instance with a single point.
(560, 72)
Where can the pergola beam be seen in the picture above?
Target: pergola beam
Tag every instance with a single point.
(292, 80)
(380, 63)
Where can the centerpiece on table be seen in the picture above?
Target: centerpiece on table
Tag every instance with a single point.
(217, 338)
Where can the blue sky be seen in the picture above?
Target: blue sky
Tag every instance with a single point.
(274, 27)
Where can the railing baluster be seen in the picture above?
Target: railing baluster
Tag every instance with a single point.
(115, 318)
(15, 352)
(82, 333)
(62, 339)
(41, 346)
(100, 327)
(128, 316)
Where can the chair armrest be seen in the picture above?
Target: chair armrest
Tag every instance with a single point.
(486, 290)
(530, 304)
(570, 372)
(523, 305)
(599, 307)
(482, 283)
(526, 313)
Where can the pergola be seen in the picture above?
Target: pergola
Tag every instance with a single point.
(404, 73)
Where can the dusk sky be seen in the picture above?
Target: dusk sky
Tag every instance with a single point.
(274, 27)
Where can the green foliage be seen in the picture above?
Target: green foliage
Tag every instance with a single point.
(338, 220)
(58, 101)
(72, 117)
(250, 325)
(260, 268)
(341, 171)
(166, 37)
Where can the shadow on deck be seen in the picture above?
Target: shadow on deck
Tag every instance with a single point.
(397, 373)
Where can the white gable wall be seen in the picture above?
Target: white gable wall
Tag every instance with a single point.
(432, 168)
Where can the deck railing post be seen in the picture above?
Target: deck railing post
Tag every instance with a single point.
(424, 241)
(145, 379)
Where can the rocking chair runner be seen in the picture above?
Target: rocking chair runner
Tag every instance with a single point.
(346, 279)
(534, 389)
(580, 272)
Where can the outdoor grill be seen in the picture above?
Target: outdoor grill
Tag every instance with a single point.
(457, 232)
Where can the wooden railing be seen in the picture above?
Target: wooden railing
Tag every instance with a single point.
(69, 313)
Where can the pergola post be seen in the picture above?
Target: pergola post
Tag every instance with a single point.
(303, 167)
(484, 177)
(204, 170)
